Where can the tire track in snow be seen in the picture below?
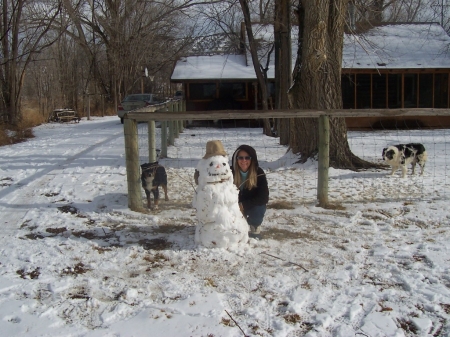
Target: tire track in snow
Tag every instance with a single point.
(15, 199)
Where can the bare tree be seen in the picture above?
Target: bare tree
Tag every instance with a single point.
(436, 11)
(53, 77)
(266, 11)
(401, 10)
(222, 24)
(24, 31)
(123, 37)
(373, 12)
(317, 81)
(261, 72)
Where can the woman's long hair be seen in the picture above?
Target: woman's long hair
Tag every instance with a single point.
(251, 177)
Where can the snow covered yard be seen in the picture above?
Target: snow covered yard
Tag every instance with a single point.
(75, 261)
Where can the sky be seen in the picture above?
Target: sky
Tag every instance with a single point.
(76, 261)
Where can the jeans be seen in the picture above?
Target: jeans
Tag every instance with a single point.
(255, 215)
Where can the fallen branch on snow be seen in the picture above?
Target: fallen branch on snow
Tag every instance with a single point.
(286, 261)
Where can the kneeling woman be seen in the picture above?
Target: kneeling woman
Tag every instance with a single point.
(252, 183)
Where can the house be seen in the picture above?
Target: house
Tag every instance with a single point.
(397, 66)
(388, 66)
(222, 81)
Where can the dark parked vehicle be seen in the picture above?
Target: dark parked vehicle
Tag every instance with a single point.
(135, 101)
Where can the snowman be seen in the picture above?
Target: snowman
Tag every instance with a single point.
(220, 221)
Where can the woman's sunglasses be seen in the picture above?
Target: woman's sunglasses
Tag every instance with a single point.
(244, 158)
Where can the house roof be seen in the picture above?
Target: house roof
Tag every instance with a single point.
(212, 68)
(402, 46)
(393, 46)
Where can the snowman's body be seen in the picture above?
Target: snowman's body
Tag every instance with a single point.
(220, 221)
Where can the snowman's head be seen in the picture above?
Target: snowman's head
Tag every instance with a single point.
(214, 169)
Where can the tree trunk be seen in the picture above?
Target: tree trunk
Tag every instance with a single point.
(283, 68)
(256, 64)
(317, 82)
(10, 46)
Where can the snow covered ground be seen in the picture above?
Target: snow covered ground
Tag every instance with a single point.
(75, 261)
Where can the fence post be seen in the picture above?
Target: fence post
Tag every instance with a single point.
(151, 142)
(130, 131)
(180, 121)
(171, 140)
(176, 128)
(183, 109)
(163, 153)
(324, 160)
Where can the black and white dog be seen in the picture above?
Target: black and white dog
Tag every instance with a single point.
(153, 175)
(399, 156)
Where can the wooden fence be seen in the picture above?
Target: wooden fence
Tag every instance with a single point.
(172, 114)
(170, 129)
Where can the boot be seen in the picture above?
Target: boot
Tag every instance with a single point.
(255, 230)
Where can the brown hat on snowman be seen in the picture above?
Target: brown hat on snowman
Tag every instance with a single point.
(214, 148)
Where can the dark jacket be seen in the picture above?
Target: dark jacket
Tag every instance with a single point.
(259, 195)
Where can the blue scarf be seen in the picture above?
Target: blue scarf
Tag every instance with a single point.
(243, 179)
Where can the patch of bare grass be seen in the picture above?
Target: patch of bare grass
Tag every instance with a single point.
(32, 274)
(281, 204)
(4, 139)
(23, 130)
(280, 234)
(31, 116)
(14, 134)
(334, 206)
(78, 269)
(292, 318)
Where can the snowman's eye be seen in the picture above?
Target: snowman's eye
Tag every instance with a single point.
(210, 164)
(224, 164)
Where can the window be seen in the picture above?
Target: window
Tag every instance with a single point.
(379, 91)
(348, 91)
(363, 91)
(202, 91)
(426, 91)
(233, 91)
(394, 91)
(410, 90)
(440, 91)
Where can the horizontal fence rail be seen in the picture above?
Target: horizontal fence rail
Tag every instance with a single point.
(159, 114)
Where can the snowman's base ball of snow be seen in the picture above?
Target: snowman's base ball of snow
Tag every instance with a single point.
(213, 235)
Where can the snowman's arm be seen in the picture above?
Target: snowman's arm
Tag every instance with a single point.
(196, 175)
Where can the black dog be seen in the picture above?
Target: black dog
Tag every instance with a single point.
(153, 175)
